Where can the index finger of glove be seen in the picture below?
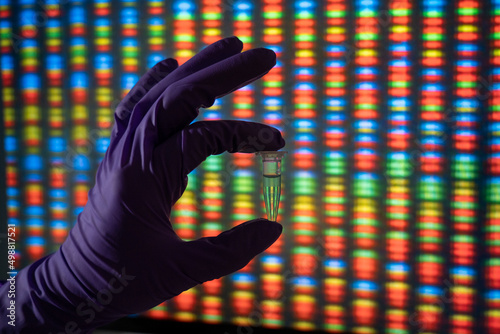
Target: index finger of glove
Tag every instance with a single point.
(202, 139)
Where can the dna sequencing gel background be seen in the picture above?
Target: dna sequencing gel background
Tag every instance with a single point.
(391, 188)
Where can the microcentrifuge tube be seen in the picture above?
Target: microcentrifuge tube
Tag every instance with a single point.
(272, 181)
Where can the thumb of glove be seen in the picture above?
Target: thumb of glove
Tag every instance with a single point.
(214, 257)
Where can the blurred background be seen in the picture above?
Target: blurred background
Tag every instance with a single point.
(391, 189)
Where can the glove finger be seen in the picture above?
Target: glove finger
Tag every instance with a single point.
(179, 104)
(209, 258)
(202, 139)
(210, 55)
(152, 77)
(175, 158)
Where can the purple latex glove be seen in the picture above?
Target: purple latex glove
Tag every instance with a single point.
(122, 256)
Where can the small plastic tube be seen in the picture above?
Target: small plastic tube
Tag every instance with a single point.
(271, 161)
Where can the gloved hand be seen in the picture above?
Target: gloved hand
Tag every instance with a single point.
(123, 256)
